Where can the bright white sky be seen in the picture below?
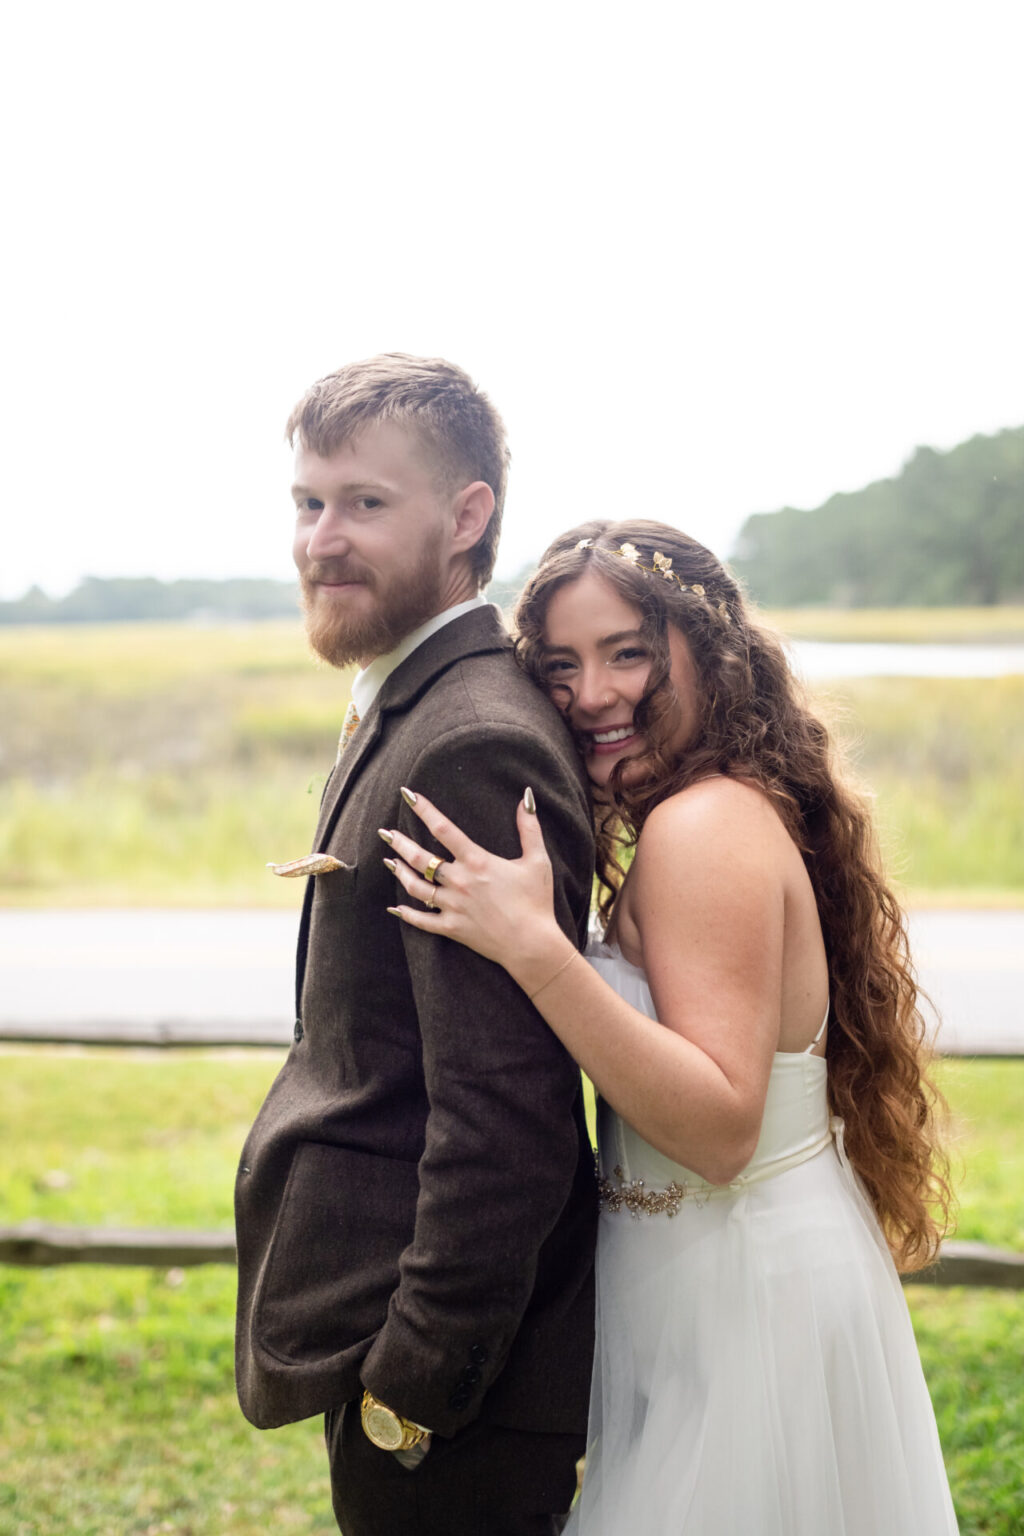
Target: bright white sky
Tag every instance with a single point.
(707, 259)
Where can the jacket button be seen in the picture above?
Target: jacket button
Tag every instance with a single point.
(459, 1398)
(478, 1354)
(471, 1375)
(298, 1031)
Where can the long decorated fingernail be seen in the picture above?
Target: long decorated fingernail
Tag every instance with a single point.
(395, 911)
(408, 796)
(385, 835)
(529, 801)
(391, 864)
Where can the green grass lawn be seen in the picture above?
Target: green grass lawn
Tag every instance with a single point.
(972, 1340)
(117, 1409)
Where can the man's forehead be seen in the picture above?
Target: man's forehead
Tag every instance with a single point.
(380, 438)
(379, 451)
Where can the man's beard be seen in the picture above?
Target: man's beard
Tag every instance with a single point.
(342, 638)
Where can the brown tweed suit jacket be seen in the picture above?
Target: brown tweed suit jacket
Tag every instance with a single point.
(415, 1203)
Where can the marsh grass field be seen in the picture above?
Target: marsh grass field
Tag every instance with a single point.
(158, 764)
(164, 765)
(117, 1408)
(1003, 624)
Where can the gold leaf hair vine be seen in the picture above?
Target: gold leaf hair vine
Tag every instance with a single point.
(662, 566)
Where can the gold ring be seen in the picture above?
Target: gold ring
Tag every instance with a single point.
(430, 873)
(431, 905)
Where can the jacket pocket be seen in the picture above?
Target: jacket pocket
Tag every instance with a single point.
(345, 1219)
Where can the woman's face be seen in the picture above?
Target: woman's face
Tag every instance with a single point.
(597, 662)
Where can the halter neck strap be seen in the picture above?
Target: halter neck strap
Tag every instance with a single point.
(808, 1049)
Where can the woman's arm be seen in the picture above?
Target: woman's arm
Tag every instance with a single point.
(706, 896)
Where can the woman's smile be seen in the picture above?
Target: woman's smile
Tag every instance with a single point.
(612, 738)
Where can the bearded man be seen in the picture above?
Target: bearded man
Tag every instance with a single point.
(415, 1203)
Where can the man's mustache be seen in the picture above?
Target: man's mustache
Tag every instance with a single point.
(335, 572)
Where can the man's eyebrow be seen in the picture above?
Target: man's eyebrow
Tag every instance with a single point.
(355, 485)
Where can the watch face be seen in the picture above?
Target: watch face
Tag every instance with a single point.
(383, 1427)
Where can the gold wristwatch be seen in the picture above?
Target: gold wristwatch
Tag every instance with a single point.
(387, 1429)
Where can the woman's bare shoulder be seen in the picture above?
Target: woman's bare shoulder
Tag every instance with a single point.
(714, 807)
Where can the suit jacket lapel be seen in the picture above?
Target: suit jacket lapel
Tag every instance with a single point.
(473, 634)
(476, 632)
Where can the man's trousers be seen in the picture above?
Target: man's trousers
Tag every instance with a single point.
(484, 1481)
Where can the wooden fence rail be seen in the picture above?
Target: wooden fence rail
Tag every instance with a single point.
(37, 1244)
(164, 1033)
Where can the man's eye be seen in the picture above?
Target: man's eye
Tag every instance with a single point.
(310, 504)
(369, 503)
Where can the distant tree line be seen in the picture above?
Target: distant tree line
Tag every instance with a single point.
(99, 600)
(113, 600)
(948, 530)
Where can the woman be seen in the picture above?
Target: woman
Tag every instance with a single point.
(765, 1125)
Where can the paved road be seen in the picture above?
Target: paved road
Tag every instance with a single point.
(232, 972)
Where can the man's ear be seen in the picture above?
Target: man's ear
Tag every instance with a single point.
(474, 506)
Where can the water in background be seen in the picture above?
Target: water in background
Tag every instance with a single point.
(828, 658)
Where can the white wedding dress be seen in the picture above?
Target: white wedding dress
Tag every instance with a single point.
(756, 1371)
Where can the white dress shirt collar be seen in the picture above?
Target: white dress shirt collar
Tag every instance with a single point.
(367, 684)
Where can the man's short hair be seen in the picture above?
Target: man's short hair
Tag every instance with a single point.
(454, 419)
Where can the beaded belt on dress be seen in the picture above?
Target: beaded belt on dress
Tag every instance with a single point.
(633, 1196)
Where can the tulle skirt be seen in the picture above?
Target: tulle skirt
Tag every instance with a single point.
(757, 1373)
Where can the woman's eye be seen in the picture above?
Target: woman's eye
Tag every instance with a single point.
(558, 668)
(630, 653)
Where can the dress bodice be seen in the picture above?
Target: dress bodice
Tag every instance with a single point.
(796, 1123)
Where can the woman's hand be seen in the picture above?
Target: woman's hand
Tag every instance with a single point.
(502, 908)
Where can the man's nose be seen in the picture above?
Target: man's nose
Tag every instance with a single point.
(328, 537)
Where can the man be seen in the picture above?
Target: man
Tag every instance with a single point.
(415, 1203)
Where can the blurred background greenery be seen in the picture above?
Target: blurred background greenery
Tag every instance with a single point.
(166, 763)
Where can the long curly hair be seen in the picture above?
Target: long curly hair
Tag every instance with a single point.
(755, 724)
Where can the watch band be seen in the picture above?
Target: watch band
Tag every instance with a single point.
(387, 1429)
